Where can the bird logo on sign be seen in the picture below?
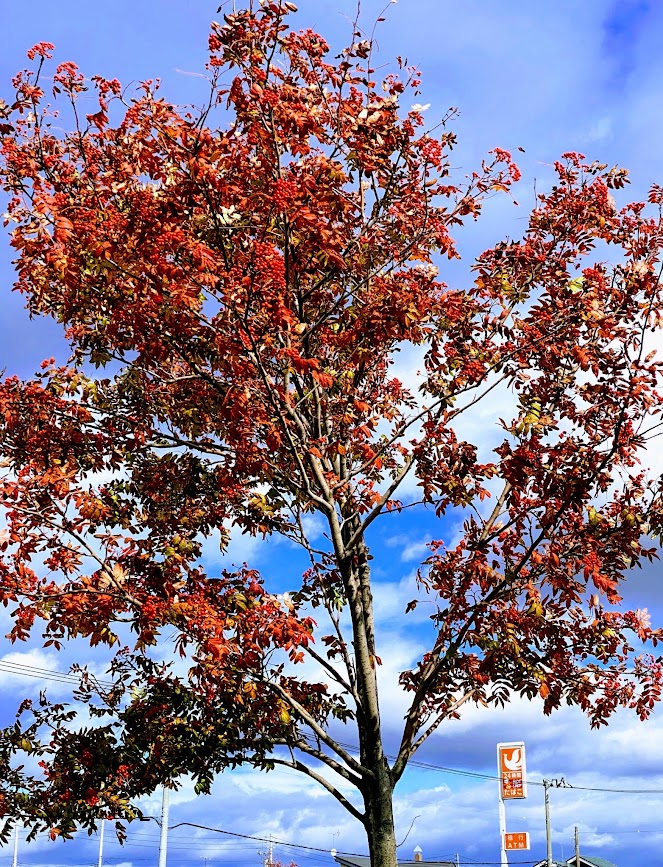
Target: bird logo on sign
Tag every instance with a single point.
(512, 761)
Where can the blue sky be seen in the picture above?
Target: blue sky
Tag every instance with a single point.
(546, 76)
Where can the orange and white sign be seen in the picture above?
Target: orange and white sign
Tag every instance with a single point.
(518, 840)
(511, 767)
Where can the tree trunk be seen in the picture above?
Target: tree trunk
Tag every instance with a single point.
(378, 804)
(377, 788)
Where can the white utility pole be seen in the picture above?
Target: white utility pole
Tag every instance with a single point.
(558, 784)
(268, 856)
(549, 860)
(100, 862)
(504, 862)
(15, 860)
(163, 840)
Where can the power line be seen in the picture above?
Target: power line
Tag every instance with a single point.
(464, 773)
(19, 669)
(566, 785)
(260, 839)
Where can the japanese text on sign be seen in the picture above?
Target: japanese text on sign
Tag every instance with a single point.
(511, 766)
(517, 840)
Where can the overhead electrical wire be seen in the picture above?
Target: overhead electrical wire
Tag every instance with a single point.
(464, 773)
(464, 860)
(268, 840)
(20, 669)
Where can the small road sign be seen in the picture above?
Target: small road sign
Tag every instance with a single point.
(517, 840)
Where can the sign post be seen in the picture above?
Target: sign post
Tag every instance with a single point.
(512, 782)
(503, 859)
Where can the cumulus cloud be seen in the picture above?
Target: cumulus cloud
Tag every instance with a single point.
(32, 671)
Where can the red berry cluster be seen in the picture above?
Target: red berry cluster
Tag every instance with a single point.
(284, 194)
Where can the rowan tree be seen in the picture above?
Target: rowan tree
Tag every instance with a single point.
(234, 282)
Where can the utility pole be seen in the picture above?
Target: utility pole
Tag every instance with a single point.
(100, 862)
(546, 785)
(268, 856)
(15, 859)
(163, 839)
(558, 784)
(268, 859)
(577, 838)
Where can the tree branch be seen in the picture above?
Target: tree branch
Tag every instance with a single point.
(329, 668)
(304, 769)
(319, 732)
(407, 750)
(331, 763)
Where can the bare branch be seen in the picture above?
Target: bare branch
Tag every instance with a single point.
(407, 750)
(304, 769)
(329, 668)
(319, 731)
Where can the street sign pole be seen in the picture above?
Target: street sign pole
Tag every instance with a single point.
(512, 784)
(504, 861)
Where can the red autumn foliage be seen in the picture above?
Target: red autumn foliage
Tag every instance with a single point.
(241, 278)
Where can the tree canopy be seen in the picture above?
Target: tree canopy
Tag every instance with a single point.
(234, 281)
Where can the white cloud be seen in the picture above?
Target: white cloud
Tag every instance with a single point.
(241, 548)
(411, 549)
(27, 671)
(599, 131)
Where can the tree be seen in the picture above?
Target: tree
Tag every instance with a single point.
(234, 295)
